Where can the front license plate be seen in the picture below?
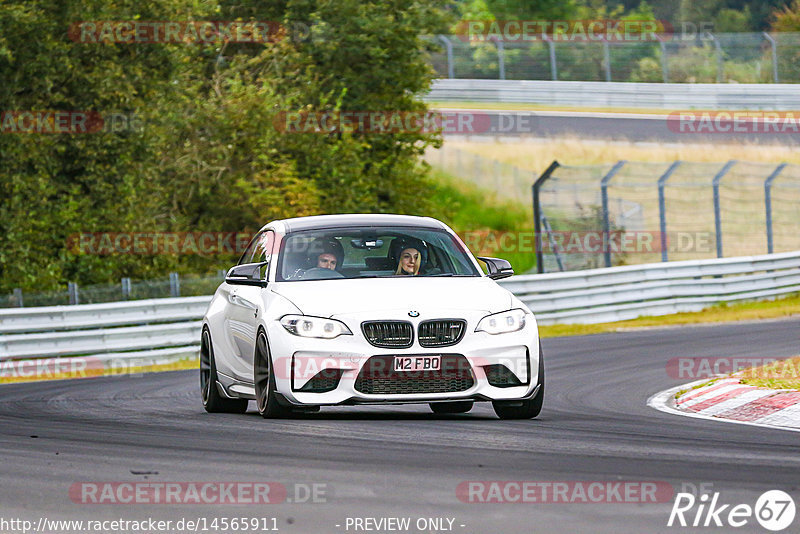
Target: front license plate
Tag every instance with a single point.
(417, 363)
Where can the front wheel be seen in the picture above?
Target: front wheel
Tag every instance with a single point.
(264, 381)
(525, 409)
(213, 402)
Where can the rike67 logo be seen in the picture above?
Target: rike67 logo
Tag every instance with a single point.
(774, 510)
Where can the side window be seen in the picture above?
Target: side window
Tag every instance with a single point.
(263, 248)
(259, 249)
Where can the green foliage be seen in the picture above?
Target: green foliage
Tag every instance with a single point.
(209, 156)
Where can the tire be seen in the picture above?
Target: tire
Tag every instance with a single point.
(451, 407)
(213, 402)
(264, 381)
(526, 409)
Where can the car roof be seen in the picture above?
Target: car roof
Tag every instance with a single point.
(358, 220)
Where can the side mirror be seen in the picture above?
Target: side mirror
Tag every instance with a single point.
(497, 268)
(248, 274)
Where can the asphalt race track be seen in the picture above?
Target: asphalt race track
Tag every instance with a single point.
(399, 461)
(626, 127)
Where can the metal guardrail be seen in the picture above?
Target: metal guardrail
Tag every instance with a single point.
(619, 94)
(50, 318)
(627, 292)
(140, 331)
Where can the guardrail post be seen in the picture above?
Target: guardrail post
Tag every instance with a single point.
(662, 207)
(774, 46)
(718, 47)
(664, 59)
(606, 222)
(448, 46)
(717, 214)
(72, 290)
(607, 59)
(18, 297)
(174, 285)
(537, 214)
(553, 67)
(126, 288)
(768, 203)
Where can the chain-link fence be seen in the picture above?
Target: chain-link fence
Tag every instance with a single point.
(174, 286)
(636, 212)
(633, 212)
(700, 58)
(507, 181)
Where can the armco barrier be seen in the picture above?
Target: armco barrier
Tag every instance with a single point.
(627, 292)
(706, 96)
(169, 329)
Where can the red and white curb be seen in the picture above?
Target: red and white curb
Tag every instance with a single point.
(729, 401)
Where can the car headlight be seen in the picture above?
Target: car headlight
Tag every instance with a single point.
(307, 326)
(503, 322)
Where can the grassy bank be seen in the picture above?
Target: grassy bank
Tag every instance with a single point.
(748, 311)
(467, 208)
(536, 154)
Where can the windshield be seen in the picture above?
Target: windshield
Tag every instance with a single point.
(370, 253)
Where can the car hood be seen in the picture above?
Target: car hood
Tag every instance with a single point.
(328, 298)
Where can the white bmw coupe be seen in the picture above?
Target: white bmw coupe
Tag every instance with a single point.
(367, 309)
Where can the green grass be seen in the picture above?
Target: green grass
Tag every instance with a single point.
(783, 374)
(467, 208)
(748, 311)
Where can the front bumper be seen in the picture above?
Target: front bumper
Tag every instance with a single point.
(298, 360)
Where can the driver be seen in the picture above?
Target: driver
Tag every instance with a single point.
(326, 260)
(323, 255)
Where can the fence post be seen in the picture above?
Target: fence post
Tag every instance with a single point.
(501, 58)
(768, 203)
(606, 222)
(18, 297)
(448, 46)
(718, 47)
(174, 285)
(774, 47)
(662, 207)
(537, 214)
(717, 214)
(607, 59)
(553, 67)
(664, 59)
(126, 288)
(72, 289)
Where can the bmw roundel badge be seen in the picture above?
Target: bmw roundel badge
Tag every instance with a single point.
(413, 313)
